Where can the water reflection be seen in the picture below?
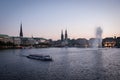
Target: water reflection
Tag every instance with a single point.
(98, 65)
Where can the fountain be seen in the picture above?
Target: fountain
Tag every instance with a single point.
(98, 38)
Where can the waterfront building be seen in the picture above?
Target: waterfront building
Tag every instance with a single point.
(41, 42)
(16, 40)
(82, 42)
(118, 42)
(5, 38)
(91, 42)
(27, 41)
(109, 42)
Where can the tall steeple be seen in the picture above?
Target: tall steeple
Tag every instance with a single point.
(66, 36)
(21, 32)
(62, 36)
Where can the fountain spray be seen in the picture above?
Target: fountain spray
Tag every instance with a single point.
(98, 39)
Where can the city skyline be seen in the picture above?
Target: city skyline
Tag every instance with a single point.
(44, 18)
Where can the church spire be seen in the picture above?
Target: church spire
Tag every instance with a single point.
(21, 32)
(66, 35)
(62, 36)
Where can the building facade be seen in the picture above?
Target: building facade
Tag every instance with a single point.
(109, 42)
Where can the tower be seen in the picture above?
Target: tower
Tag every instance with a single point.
(21, 32)
(66, 35)
(62, 36)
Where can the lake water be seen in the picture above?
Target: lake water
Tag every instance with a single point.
(68, 64)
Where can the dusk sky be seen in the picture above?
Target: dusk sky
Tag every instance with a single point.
(46, 18)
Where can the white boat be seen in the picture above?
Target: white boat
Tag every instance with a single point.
(40, 57)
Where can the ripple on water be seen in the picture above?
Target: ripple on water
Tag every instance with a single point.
(68, 64)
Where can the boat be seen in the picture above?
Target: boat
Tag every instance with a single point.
(40, 57)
